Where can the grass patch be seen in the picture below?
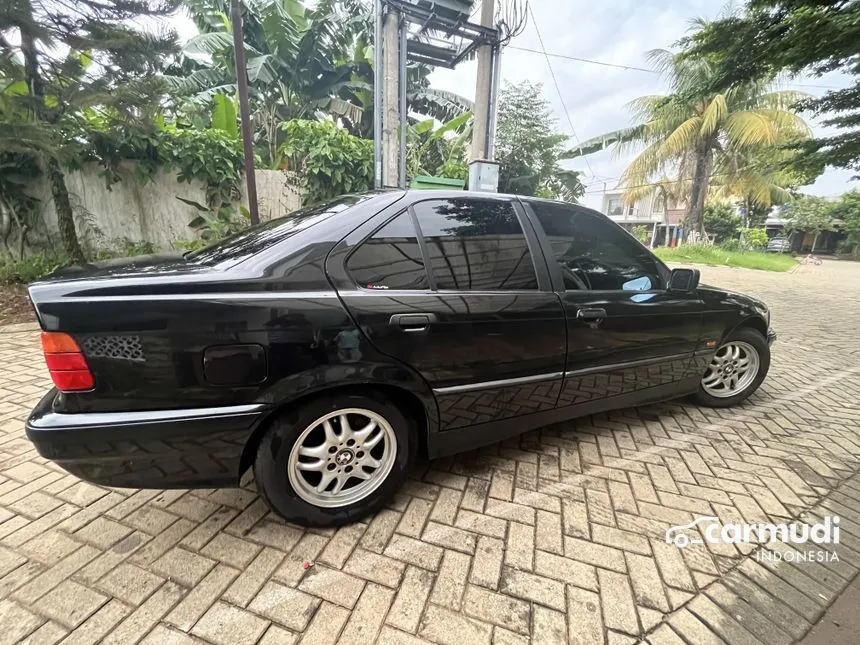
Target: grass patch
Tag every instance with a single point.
(714, 255)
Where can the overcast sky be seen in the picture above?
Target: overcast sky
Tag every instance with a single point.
(595, 96)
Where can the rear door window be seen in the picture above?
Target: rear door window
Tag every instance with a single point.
(475, 245)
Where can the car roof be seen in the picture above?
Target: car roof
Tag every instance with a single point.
(420, 194)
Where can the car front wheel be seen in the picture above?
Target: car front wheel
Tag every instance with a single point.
(334, 459)
(736, 370)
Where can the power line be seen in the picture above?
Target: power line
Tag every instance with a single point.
(581, 60)
(657, 183)
(557, 88)
(634, 68)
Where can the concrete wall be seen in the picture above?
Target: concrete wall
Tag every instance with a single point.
(150, 212)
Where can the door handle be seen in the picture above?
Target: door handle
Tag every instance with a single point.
(590, 314)
(412, 322)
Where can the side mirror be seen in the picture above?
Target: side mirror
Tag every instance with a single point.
(684, 279)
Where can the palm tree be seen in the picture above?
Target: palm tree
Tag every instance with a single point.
(702, 136)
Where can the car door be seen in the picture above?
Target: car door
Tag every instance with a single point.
(627, 334)
(455, 288)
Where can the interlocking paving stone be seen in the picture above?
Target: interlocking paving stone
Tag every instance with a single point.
(224, 624)
(408, 606)
(498, 609)
(555, 535)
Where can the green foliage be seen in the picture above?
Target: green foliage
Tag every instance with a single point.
(754, 238)
(58, 58)
(847, 210)
(776, 36)
(32, 267)
(187, 246)
(215, 223)
(721, 222)
(731, 245)
(124, 247)
(720, 256)
(211, 156)
(642, 233)
(224, 116)
(330, 161)
(440, 152)
(301, 60)
(529, 148)
(810, 214)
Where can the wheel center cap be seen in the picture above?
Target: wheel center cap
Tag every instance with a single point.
(344, 457)
(730, 369)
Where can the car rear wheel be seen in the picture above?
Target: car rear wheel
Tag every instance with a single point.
(334, 459)
(736, 370)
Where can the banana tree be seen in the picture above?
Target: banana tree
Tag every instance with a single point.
(297, 61)
(439, 151)
(301, 63)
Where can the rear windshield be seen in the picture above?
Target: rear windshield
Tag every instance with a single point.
(251, 241)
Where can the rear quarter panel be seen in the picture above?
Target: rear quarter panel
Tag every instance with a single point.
(144, 336)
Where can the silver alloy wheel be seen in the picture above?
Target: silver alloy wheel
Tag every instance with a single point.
(732, 370)
(342, 457)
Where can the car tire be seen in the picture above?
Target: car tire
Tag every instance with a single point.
(287, 469)
(747, 341)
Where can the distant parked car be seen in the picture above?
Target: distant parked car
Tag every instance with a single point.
(779, 245)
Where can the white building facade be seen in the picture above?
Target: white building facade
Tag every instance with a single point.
(663, 224)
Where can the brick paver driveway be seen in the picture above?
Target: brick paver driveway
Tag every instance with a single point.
(556, 535)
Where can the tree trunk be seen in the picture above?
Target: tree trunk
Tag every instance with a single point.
(65, 216)
(814, 241)
(701, 176)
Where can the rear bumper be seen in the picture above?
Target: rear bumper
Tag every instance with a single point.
(188, 448)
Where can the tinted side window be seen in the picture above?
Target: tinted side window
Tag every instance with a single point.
(476, 245)
(593, 254)
(390, 259)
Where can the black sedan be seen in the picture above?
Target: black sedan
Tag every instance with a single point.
(327, 348)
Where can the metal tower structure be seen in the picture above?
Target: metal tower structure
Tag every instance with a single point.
(434, 32)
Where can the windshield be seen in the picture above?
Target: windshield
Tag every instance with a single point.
(244, 244)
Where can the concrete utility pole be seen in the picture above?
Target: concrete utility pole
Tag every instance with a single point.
(377, 95)
(483, 87)
(390, 99)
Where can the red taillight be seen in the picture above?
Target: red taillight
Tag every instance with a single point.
(73, 380)
(66, 362)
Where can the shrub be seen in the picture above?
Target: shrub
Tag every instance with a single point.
(721, 222)
(731, 245)
(332, 161)
(32, 267)
(124, 247)
(642, 234)
(754, 238)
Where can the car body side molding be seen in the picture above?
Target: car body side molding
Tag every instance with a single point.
(446, 443)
